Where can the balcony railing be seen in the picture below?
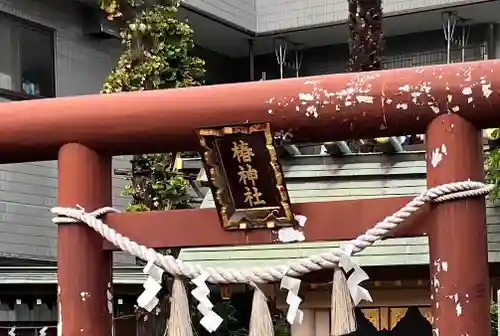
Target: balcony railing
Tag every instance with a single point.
(468, 54)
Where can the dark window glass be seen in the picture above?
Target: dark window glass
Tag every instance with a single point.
(26, 60)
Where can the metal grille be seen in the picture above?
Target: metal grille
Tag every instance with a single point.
(468, 54)
(28, 331)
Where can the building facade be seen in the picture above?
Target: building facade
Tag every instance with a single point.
(56, 48)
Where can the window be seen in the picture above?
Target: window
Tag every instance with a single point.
(26, 60)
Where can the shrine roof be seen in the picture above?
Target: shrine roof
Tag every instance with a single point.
(313, 178)
(29, 275)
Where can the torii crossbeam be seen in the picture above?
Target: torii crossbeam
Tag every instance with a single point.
(449, 103)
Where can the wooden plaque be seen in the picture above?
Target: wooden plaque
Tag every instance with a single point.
(245, 177)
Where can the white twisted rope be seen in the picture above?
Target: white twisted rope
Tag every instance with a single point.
(330, 259)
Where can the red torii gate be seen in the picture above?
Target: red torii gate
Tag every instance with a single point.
(449, 103)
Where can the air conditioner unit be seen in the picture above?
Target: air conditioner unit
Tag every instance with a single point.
(97, 25)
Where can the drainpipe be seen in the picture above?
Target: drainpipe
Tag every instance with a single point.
(280, 51)
(337, 147)
(450, 20)
(491, 49)
(396, 142)
(251, 60)
(298, 61)
(292, 150)
(464, 36)
(344, 148)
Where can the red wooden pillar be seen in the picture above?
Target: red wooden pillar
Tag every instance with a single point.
(84, 269)
(458, 241)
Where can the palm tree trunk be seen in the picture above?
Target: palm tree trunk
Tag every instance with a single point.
(366, 38)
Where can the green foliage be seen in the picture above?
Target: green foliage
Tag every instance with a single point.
(230, 326)
(493, 167)
(165, 194)
(281, 325)
(156, 55)
(154, 186)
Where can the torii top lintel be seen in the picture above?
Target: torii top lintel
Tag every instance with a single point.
(314, 109)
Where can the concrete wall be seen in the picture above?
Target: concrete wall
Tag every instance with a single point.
(269, 15)
(82, 63)
(239, 12)
(286, 14)
(27, 191)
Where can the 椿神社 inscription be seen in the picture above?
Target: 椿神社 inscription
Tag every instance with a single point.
(245, 177)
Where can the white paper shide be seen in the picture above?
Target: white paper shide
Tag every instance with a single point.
(152, 286)
(358, 293)
(210, 321)
(294, 314)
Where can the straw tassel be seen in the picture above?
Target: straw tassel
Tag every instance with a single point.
(342, 314)
(261, 323)
(179, 321)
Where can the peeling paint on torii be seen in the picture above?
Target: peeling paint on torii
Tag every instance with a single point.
(459, 270)
(449, 103)
(314, 109)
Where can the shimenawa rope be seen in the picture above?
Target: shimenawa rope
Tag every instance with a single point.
(258, 275)
(342, 305)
